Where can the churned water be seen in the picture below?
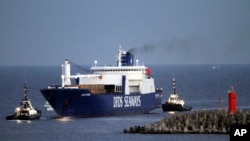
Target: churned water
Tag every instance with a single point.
(201, 86)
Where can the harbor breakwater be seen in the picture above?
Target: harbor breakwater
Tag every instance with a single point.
(202, 122)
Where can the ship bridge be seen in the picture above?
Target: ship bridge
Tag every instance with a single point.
(132, 72)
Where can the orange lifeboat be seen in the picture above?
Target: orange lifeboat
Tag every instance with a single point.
(148, 71)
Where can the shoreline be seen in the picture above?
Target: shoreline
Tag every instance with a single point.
(196, 122)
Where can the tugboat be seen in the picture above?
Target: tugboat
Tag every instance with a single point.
(175, 103)
(25, 111)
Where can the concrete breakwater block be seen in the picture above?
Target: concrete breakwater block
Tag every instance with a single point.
(204, 122)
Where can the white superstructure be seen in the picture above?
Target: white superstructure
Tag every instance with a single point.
(126, 76)
(26, 109)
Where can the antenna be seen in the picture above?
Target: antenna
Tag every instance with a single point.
(25, 89)
(119, 58)
(174, 85)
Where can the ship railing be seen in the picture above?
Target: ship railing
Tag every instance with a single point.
(84, 75)
(54, 86)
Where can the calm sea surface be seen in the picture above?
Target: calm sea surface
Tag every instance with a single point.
(199, 85)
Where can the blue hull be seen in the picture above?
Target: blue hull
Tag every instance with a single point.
(82, 103)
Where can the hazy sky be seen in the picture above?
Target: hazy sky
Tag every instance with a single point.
(46, 32)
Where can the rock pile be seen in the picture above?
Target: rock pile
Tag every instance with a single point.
(204, 122)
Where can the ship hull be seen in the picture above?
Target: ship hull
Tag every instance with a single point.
(82, 103)
(175, 107)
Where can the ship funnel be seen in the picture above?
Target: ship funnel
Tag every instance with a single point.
(66, 73)
(124, 58)
(127, 59)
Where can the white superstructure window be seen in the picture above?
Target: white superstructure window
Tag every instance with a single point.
(118, 88)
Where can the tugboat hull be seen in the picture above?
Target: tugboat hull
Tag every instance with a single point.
(175, 107)
(24, 117)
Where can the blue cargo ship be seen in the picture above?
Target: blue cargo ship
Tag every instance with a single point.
(125, 88)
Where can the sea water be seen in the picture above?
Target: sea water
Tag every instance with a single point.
(203, 87)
